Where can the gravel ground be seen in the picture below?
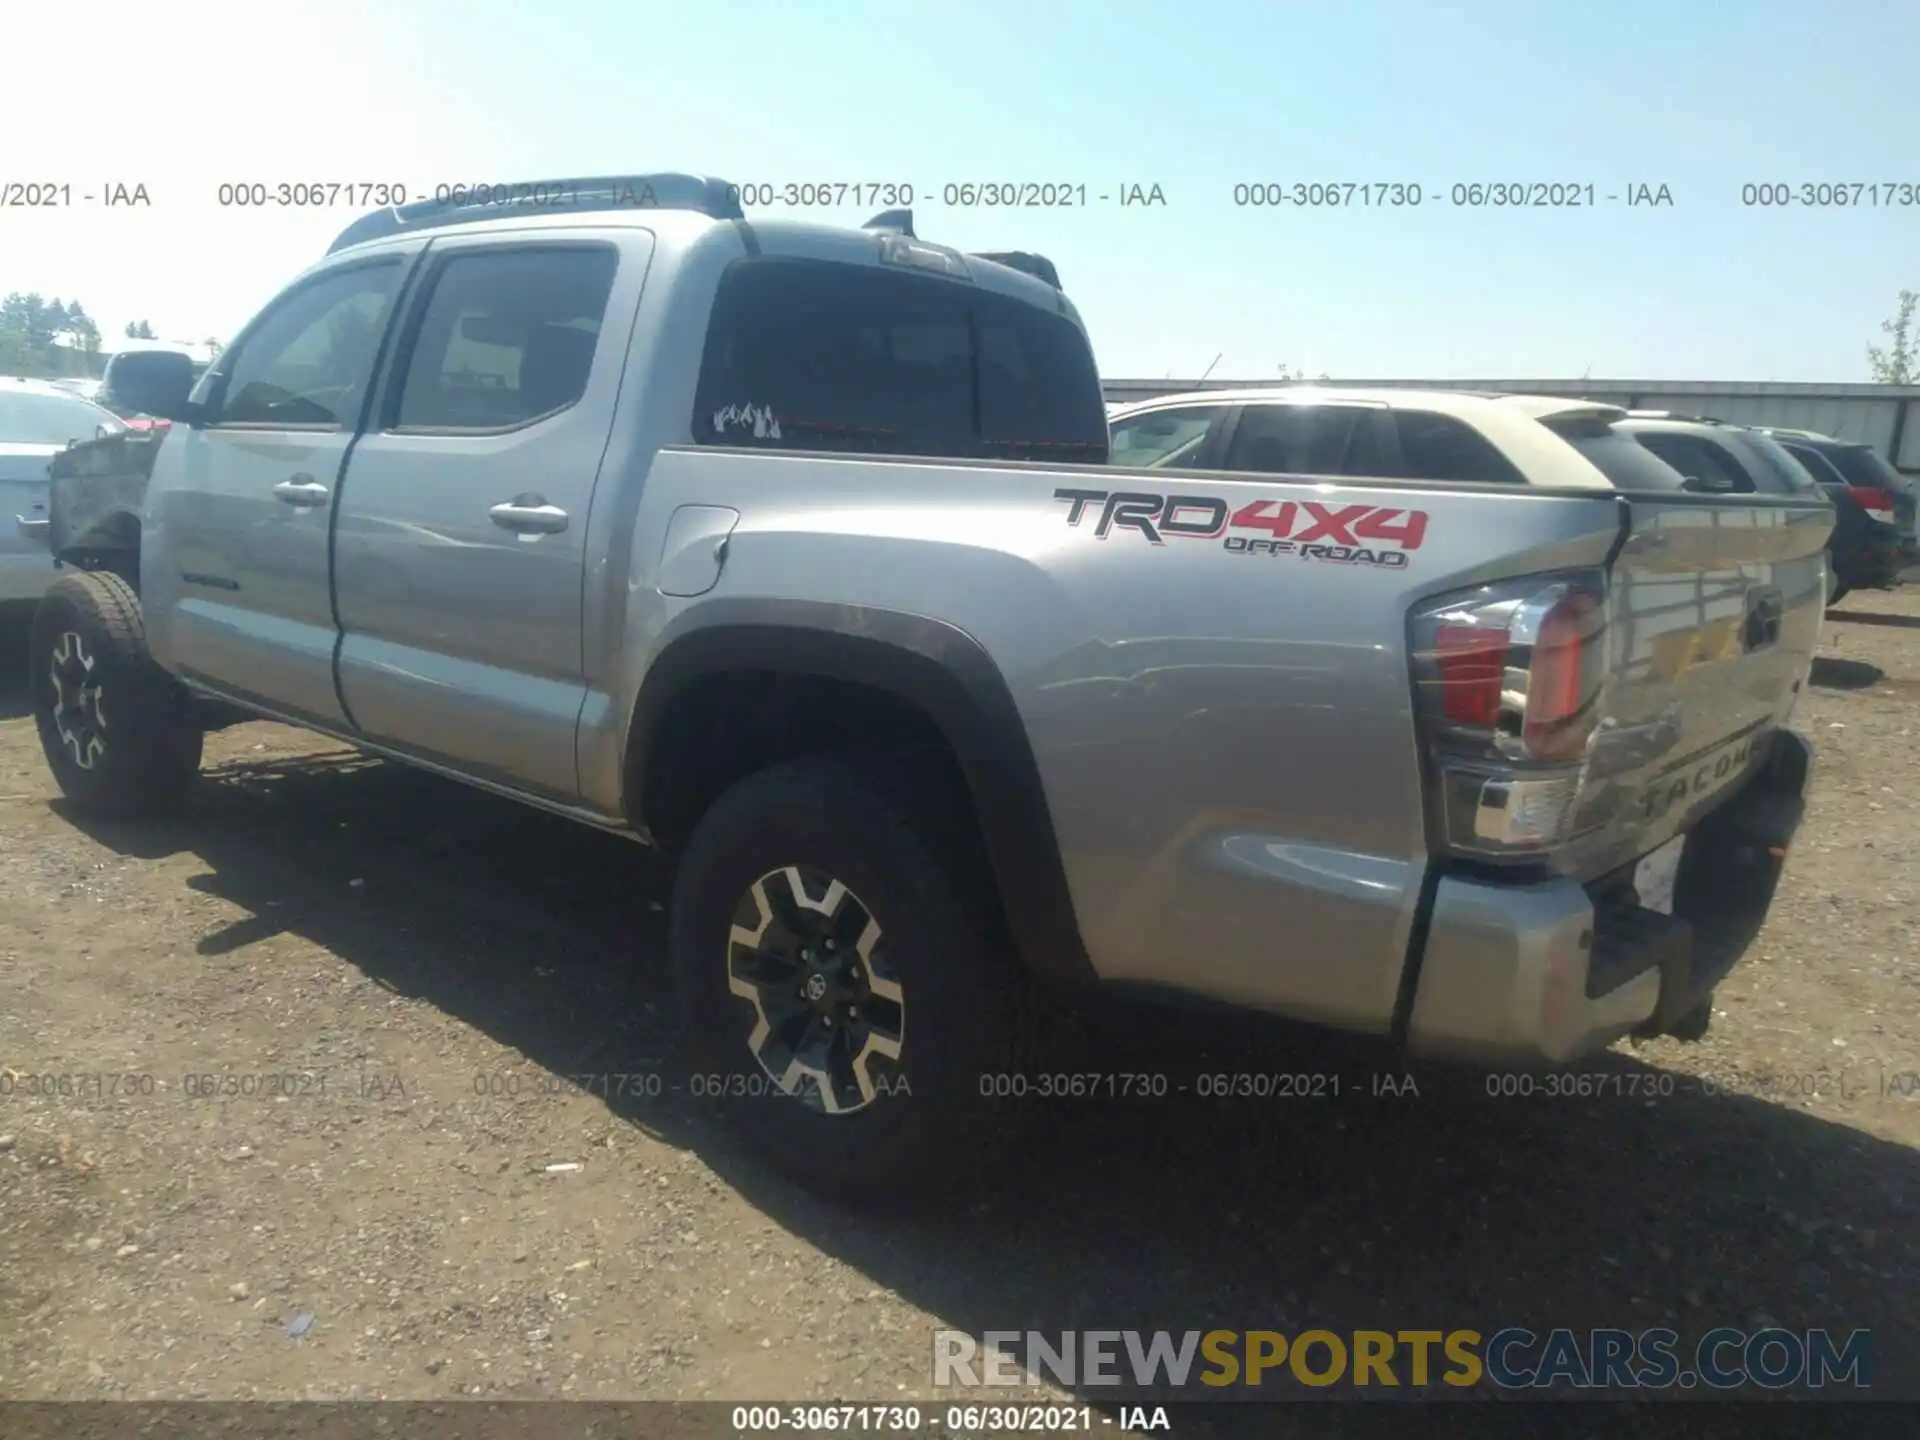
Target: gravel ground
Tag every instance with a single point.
(392, 974)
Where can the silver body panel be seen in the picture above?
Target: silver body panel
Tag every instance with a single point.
(1226, 741)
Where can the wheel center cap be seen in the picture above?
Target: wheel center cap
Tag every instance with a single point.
(816, 987)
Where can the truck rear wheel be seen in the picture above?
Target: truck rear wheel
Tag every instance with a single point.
(845, 991)
(118, 731)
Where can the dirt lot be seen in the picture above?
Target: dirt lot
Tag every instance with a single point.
(426, 962)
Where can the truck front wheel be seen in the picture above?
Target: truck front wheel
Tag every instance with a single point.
(118, 731)
(845, 991)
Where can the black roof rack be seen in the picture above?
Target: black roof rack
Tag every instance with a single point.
(701, 194)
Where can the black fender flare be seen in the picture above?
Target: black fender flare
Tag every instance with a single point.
(940, 671)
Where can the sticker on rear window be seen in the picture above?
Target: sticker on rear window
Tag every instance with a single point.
(759, 419)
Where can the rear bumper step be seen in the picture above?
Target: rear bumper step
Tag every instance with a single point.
(1548, 972)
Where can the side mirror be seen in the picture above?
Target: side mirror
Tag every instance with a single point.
(151, 382)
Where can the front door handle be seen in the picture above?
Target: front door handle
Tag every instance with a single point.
(529, 515)
(303, 491)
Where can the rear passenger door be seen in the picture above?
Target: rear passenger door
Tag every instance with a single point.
(459, 554)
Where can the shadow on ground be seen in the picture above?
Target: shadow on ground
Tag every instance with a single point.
(1444, 1209)
(15, 698)
(1831, 674)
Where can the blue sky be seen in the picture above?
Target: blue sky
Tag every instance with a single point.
(1194, 96)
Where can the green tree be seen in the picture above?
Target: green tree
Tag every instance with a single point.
(1899, 363)
(45, 338)
(140, 330)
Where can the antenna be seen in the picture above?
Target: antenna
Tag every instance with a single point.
(1208, 371)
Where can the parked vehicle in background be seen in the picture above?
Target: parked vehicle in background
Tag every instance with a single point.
(1400, 434)
(1875, 537)
(1717, 458)
(38, 420)
(795, 550)
(86, 387)
(115, 393)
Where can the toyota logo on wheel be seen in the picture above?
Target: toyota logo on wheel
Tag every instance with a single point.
(816, 986)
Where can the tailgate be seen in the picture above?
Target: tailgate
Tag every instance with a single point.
(1715, 616)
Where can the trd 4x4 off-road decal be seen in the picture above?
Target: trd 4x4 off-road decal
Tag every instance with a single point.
(1305, 529)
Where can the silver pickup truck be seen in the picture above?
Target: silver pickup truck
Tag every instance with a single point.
(797, 551)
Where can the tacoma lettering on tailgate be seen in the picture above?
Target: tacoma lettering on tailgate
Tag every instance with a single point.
(1303, 529)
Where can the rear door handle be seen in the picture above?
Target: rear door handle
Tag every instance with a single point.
(302, 490)
(529, 515)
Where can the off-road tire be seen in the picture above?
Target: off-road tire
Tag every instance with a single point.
(884, 828)
(148, 755)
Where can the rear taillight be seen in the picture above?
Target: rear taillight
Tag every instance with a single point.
(1876, 501)
(1507, 681)
(1472, 667)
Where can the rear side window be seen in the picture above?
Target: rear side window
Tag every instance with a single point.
(1439, 447)
(814, 355)
(507, 337)
(1291, 439)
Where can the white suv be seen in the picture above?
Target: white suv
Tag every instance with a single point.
(1388, 433)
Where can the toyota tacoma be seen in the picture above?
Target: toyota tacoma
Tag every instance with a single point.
(798, 551)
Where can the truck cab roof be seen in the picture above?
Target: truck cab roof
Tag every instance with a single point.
(686, 206)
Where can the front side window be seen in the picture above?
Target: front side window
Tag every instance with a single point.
(1778, 471)
(306, 363)
(1706, 466)
(814, 355)
(1169, 439)
(1816, 465)
(507, 337)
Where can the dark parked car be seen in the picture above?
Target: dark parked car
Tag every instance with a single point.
(119, 389)
(1714, 457)
(1874, 533)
